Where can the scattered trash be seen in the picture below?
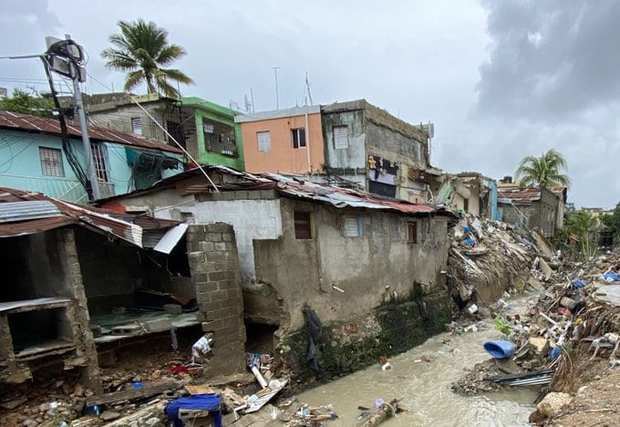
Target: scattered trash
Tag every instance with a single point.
(381, 412)
(610, 276)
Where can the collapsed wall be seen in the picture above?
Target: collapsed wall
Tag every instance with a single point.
(488, 258)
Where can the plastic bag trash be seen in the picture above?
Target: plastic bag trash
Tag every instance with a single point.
(500, 349)
(201, 347)
(578, 284)
(378, 403)
(468, 241)
(610, 276)
(554, 353)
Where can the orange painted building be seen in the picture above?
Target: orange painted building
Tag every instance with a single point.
(287, 141)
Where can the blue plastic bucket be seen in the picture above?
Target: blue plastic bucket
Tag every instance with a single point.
(500, 349)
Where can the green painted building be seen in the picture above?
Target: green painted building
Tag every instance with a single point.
(217, 138)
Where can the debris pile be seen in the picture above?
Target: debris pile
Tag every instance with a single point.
(486, 259)
(570, 335)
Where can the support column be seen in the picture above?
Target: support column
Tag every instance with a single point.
(214, 264)
(85, 345)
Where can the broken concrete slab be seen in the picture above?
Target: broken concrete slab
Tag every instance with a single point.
(553, 403)
(539, 344)
(609, 294)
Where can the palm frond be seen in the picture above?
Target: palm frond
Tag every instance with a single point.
(177, 75)
(169, 53)
(141, 48)
(119, 60)
(134, 79)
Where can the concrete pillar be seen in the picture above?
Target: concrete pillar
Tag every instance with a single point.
(86, 351)
(214, 266)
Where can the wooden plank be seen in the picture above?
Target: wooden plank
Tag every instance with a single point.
(149, 390)
(33, 304)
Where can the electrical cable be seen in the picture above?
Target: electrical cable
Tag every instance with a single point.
(66, 144)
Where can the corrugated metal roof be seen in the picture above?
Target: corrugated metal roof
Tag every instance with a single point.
(17, 121)
(53, 213)
(517, 194)
(343, 197)
(27, 210)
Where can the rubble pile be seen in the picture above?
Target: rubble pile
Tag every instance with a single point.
(569, 335)
(488, 258)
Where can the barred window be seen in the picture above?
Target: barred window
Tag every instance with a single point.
(51, 161)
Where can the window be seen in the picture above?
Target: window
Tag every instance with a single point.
(303, 228)
(100, 161)
(412, 232)
(299, 137)
(466, 205)
(175, 129)
(136, 125)
(219, 137)
(264, 141)
(352, 226)
(51, 162)
(341, 137)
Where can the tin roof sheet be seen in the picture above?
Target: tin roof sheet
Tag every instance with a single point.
(53, 213)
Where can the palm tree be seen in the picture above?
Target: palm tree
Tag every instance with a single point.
(545, 171)
(141, 49)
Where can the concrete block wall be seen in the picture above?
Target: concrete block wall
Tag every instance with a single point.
(214, 266)
(86, 351)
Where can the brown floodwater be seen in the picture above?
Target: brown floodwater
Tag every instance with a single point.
(424, 387)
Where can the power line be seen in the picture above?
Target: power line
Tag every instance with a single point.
(171, 138)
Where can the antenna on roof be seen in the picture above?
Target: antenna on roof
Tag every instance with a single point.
(308, 89)
(275, 77)
(252, 99)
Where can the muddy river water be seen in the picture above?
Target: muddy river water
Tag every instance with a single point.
(425, 386)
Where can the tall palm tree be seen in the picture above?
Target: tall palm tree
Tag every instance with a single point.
(141, 49)
(545, 171)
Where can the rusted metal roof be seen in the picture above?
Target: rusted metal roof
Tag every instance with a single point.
(287, 186)
(25, 122)
(518, 195)
(343, 197)
(127, 227)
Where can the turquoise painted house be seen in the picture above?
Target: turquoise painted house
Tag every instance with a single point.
(32, 157)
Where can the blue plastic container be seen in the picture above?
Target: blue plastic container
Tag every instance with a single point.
(500, 349)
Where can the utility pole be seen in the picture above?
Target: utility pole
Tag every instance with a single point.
(79, 107)
(275, 76)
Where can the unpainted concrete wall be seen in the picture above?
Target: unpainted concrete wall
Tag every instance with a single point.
(353, 157)
(378, 265)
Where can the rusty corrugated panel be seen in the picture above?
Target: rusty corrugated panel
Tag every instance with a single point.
(10, 120)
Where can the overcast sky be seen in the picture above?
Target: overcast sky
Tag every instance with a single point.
(500, 79)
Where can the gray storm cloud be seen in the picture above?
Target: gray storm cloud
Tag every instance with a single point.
(550, 60)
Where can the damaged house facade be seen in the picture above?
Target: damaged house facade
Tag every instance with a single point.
(205, 129)
(88, 286)
(382, 153)
(533, 207)
(38, 160)
(364, 265)
(470, 192)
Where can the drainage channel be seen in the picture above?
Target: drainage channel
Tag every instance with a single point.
(424, 387)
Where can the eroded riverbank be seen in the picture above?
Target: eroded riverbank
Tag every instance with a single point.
(424, 387)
